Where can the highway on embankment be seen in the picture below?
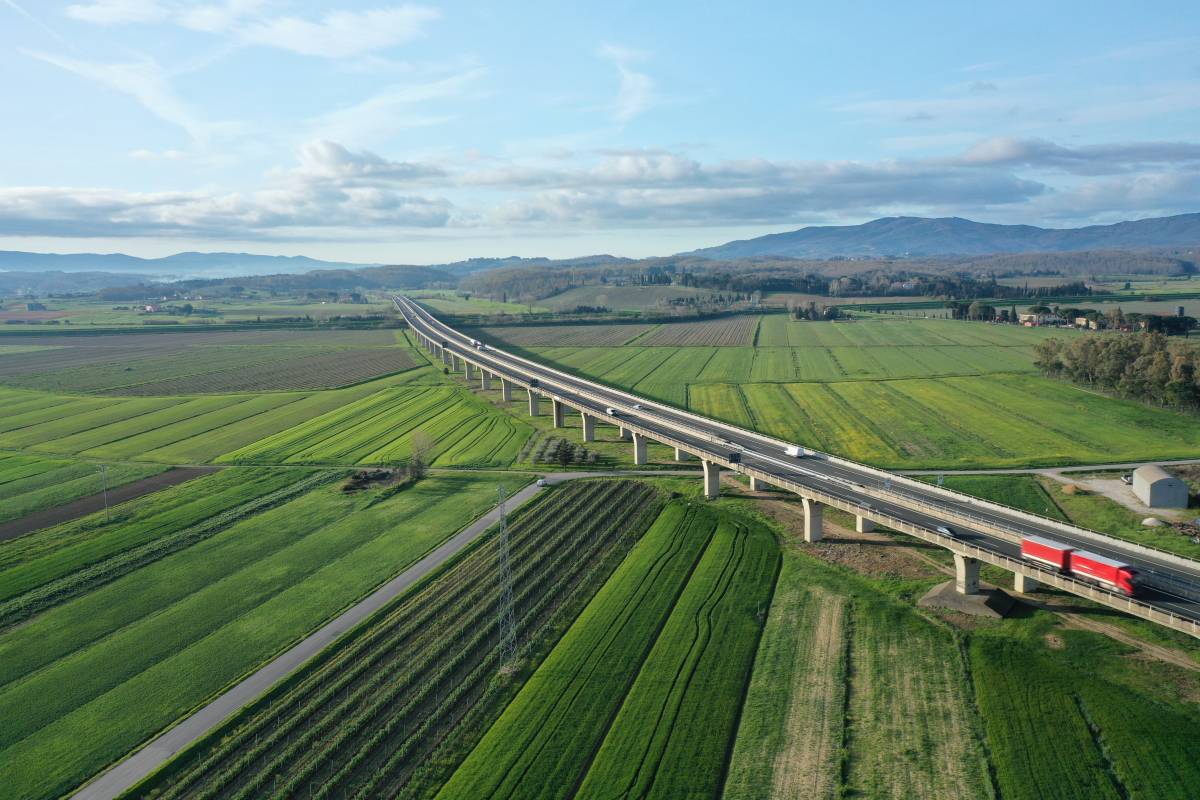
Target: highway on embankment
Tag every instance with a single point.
(1171, 582)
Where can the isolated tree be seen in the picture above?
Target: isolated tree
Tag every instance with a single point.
(421, 444)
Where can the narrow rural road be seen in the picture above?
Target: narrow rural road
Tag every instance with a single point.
(125, 774)
(1130, 465)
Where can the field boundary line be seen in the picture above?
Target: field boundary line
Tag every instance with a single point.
(127, 773)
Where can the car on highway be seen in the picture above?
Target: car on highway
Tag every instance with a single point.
(533, 383)
(734, 458)
(945, 531)
(612, 412)
(637, 407)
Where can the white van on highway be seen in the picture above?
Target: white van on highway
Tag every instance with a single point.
(795, 451)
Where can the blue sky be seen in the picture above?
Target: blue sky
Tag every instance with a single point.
(428, 132)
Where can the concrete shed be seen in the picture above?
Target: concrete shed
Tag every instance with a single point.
(1158, 488)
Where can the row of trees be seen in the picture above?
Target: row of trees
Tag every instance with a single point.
(812, 311)
(1141, 366)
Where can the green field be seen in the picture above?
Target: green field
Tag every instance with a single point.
(671, 635)
(32, 483)
(451, 302)
(90, 678)
(393, 724)
(625, 298)
(462, 430)
(193, 361)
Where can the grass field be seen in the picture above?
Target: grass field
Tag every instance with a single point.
(450, 302)
(165, 429)
(955, 422)
(31, 483)
(87, 680)
(391, 724)
(379, 429)
(204, 362)
(561, 335)
(669, 637)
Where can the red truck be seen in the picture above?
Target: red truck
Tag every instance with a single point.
(1081, 564)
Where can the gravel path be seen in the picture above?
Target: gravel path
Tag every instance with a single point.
(127, 773)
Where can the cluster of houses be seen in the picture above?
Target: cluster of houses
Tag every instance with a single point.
(1091, 319)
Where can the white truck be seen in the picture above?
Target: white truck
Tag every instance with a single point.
(794, 450)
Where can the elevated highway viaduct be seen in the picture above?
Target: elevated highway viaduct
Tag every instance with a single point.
(982, 531)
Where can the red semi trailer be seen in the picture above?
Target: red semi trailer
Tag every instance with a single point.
(1081, 564)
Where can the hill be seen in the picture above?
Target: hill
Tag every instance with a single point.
(954, 236)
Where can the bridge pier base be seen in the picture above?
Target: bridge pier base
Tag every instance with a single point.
(626, 435)
(682, 455)
(589, 427)
(485, 380)
(505, 391)
(863, 525)
(1025, 584)
(445, 355)
(534, 408)
(456, 362)
(966, 574)
(469, 371)
(756, 485)
(559, 411)
(813, 520)
(712, 479)
(639, 449)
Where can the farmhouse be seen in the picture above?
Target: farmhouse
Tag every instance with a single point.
(1158, 488)
(1034, 320)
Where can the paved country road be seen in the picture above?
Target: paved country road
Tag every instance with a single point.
(125, 774)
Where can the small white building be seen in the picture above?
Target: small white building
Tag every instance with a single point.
(1157, 488)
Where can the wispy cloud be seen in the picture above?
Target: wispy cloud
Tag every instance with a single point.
(392, 109)
(636, 93)
(144, 81)
(53, 34)
(337, 35)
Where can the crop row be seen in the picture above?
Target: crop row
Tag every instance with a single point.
(29, 483)
(737, 331)
(564, 335)
(1110, 739)
(94, 574)
(121, 662)
(675, 728)
(953, 422)
(541, 745)
(380, 428)
(368, 712)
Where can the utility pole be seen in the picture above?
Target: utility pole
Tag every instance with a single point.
(508, 626)
(104, 488)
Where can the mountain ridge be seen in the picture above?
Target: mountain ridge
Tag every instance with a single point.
(956, 236)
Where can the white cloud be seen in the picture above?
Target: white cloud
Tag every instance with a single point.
(1103, 159)
(337, 35)
(341, 34)
(325, 160)
(636, 94)
(120, 12)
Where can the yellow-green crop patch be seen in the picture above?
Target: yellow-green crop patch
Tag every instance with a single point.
(461, 430)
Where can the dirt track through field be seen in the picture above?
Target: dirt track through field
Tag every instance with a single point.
(807, 765)
(93, 503)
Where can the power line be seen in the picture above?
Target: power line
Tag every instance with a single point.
(508, 625)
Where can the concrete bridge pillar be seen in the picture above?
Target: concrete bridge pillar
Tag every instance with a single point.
(485, 379)
(682, 455)
(469, 371)
(1025, 584)
(626, 434)
(639, 449)
(863, 525)
(756, 485)
(456, 364)
(534, 407)
(966, 574)
(712, 479)
(445, 355)
(559, 411)
(813, 520)
(505, 391)
(589, 427)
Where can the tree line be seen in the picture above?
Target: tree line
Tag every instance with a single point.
(1142, 366)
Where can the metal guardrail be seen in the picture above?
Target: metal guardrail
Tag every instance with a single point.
(1183, 588)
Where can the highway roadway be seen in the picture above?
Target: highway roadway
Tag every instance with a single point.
(1169, 583)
